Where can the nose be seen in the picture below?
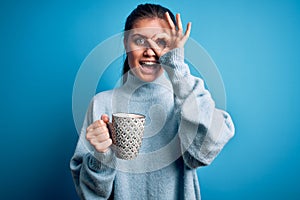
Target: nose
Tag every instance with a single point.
(149, 52)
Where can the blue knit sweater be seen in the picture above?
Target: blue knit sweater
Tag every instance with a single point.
(183, 131)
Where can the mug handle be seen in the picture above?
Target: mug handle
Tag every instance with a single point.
(111, 131)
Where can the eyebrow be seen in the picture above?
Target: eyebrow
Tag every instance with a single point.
(137, 34)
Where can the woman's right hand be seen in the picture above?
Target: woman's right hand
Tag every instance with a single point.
(97, 134)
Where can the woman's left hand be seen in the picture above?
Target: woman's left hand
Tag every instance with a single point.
(174, 38)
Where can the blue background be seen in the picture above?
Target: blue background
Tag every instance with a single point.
(255, 45)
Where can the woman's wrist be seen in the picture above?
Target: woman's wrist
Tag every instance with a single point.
(173, 56)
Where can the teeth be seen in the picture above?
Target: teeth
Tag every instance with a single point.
(149, 63)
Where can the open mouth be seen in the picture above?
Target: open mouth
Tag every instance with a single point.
(149, 63)
(149, 67)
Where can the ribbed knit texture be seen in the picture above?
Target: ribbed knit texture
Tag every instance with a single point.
(183, 131)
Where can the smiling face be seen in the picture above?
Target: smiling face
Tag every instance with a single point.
(142, 59)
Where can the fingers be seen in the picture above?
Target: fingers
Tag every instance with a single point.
(169, 20)
(179, 23)
(99, 139)
(188, 30)
(103, 146)
(99, 123)
(94, 139)
(171, 23)
(105, 118)
(98, 135)
(178, 38)
(154, 47)
(161, 40)
(94, 125)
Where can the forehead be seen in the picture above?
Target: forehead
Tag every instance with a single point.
(150, 26)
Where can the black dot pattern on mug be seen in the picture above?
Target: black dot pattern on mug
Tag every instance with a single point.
(127, 136)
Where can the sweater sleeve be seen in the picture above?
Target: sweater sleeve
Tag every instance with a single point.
(93, 172)
(203, 129)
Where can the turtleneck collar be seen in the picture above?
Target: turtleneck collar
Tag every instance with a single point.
(146, 90)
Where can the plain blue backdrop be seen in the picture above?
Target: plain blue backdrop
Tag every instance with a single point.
(255, 45)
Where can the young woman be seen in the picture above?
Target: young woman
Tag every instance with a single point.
(184, 130)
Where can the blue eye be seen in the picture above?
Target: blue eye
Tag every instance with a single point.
(140, 41)
(161, 43)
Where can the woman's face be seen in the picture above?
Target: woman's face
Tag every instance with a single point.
(142, 59)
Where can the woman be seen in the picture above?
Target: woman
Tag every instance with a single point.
(184, 129)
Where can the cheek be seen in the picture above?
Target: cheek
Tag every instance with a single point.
(133, 58)
(130, 59)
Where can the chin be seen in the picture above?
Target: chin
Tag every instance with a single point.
(147, 78)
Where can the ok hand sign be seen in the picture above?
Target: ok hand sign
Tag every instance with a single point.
(175, 38)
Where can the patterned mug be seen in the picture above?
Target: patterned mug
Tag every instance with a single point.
(127, 130)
